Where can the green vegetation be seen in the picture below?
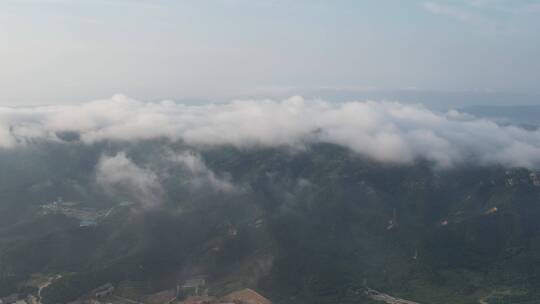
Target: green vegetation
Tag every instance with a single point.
(303, 226)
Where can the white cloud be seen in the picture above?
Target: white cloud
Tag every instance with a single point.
(200, 175)
(6, 139)
(384, 131)
(120, 176)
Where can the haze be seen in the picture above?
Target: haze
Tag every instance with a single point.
(61, 51)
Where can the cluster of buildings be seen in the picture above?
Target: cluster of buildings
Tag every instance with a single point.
(382, 297)
(195, 291)
(512, 178)
(104, 291)
(194, 287)
(87, 216)
(243, 296)
(19, 299)
(535, 178)
(191, 291)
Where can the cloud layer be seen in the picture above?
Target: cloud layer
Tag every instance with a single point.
(384, 131)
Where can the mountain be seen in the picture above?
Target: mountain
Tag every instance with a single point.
(313, 225)
(527, 116)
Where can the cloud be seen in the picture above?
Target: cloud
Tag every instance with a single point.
(119, 176)
(200, 175)
(384, 131)
(6, 139)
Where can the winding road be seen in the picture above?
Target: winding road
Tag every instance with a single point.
(49, 281)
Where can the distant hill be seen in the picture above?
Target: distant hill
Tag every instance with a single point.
(525, 115)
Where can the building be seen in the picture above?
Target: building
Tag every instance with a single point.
(104, 290)
(87, 223)
(12, 298)
(535, 178)
(246, 296)
(31, 299)
(192, 287)
(162, 297)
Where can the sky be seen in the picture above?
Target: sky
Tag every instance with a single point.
(63, 51)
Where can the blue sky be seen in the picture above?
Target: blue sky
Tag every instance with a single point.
(63, 50)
